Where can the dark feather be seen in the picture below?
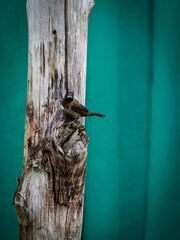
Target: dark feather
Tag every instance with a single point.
(97, 114)
(79, 108)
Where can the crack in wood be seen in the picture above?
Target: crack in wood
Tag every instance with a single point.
(55, 40)
(44, 61)
(66, 43)
(66, 225)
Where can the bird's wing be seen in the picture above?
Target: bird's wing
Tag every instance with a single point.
(79, 108)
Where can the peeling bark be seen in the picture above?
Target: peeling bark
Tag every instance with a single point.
(50, 194)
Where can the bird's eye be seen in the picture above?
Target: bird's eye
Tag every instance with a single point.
(69, 98)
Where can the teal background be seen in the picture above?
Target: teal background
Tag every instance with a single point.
(133, 76)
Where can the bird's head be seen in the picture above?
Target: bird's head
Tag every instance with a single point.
(69, 97)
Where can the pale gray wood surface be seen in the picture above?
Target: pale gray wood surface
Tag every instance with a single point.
(49, 203)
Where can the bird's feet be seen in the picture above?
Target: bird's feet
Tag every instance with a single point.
(76, 125)
(67, 124)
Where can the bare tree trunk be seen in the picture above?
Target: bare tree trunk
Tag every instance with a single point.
(50, 195)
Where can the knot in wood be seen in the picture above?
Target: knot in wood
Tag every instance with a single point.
(68, 161)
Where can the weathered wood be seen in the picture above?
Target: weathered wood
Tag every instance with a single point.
(49, 203)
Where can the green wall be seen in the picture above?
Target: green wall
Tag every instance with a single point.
(13, 84)
(133, 76)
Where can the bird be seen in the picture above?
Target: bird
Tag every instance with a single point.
(75, 109)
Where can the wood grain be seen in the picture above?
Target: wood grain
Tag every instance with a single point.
(49, 201)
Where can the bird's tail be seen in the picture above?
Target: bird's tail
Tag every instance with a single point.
(97, 114)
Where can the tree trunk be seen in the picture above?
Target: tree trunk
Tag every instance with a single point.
(50, 194)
